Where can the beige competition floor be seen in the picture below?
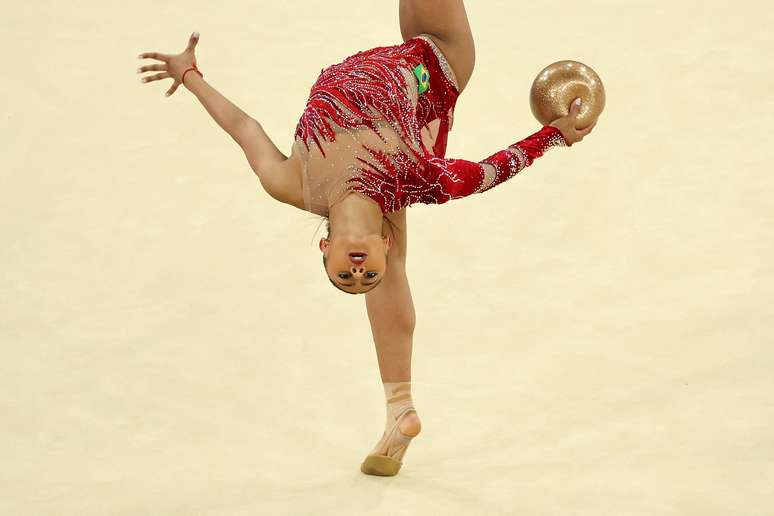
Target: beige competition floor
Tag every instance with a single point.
(593, 338)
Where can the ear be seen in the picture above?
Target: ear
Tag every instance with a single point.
(323, 244)
(387, 242)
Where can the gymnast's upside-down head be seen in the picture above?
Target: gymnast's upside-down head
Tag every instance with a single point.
(355, 264)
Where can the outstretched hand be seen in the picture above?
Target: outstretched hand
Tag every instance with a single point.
(173, 64)
(566, 124)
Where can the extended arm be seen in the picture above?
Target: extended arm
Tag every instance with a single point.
(266, 160)
(459, 178)
(227, 115)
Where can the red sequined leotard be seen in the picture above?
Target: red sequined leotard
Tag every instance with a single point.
(366, 126)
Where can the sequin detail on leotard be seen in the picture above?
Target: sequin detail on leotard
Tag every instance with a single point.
(367, 129)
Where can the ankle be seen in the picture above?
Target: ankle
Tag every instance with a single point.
(410, 425)
(398, 399)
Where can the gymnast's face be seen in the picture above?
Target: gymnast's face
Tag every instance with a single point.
(355, 264)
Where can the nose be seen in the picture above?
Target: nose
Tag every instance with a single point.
(357, 269)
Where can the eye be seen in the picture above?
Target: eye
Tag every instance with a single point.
(369, 274)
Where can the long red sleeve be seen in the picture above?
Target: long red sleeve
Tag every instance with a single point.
(460, 178)
(398, 180)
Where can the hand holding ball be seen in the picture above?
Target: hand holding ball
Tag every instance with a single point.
(554, 90)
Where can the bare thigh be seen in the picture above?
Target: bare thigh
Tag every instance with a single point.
(446, 22)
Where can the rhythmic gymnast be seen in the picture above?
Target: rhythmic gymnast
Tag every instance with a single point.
(371, 142)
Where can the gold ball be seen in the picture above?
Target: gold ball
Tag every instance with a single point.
(558, 84)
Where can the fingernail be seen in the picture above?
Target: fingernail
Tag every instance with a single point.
(578, 101)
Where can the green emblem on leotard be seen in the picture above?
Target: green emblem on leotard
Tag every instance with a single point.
(423, 76)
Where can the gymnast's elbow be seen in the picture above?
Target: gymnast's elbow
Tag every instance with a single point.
(282, 181)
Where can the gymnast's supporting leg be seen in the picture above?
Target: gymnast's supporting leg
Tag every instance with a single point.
(390, 312)
(392, 317)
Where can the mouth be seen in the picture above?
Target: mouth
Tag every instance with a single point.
(358, 257)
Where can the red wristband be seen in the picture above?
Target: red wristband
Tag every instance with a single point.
(182, 79)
